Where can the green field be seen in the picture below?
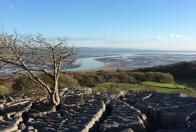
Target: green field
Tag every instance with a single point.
(188, 82)
(144, 86)
(165, 85)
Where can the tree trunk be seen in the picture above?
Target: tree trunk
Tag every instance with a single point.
(55, 95)
(55, 98)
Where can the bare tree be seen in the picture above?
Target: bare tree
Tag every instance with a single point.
(34, 54)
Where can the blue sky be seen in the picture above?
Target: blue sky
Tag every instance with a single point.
(141, 24)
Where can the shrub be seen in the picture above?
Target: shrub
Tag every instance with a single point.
(24, 84)
(139, 76)
(4, 90)
(68, 81)
(163, 77)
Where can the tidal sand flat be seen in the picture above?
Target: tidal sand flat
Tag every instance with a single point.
(112, 59)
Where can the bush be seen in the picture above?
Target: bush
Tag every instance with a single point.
(23, 83)
(68, 81)
(91, 79)
(4, 90)
(163, 77)
(140, 76)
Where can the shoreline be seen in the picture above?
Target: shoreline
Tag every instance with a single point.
(108, 66)
(111, 65)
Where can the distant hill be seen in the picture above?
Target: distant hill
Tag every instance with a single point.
(180, 70)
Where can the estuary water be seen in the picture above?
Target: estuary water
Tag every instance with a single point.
(135, 59)
(92, 59)
(87, 64)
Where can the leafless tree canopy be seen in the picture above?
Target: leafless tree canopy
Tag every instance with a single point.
(34, 53)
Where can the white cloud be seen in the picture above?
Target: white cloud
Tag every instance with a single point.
(170, 37)
(177, 37)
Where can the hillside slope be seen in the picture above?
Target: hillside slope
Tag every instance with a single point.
(180, 70)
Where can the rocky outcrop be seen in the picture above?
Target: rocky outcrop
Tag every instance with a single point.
(165, 110)
(175, 130)
(11, 114)
(87, 117)
(86, 111)
(76, 113)
(123, 118)
(10, 125)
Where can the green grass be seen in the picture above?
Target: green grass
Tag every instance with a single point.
(188, 82)
(165, 85)
(145, 86)
(116, 87)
